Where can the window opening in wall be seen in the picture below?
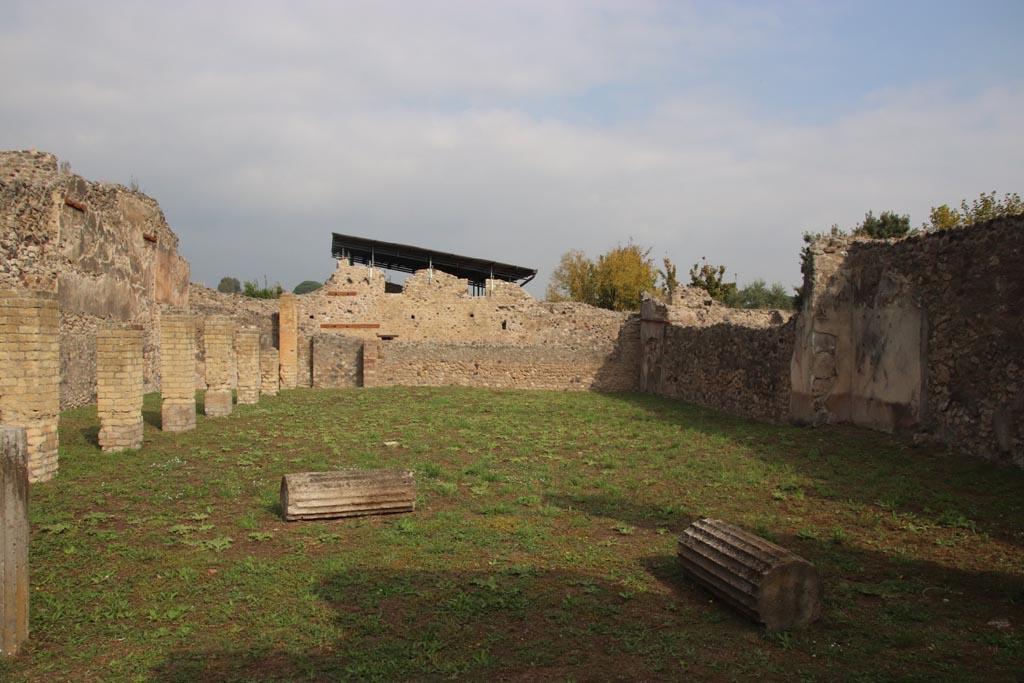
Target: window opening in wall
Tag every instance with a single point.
(504, 324)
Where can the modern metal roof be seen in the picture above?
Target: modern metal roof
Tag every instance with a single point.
(408, 259)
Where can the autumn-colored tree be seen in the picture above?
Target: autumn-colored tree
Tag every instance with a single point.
(574, 279)
(615, 281)
(622, 275)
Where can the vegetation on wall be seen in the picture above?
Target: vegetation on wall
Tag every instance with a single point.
(984, 208)
(252, 288)
(886, 225)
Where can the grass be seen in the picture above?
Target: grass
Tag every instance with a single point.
(542, 548)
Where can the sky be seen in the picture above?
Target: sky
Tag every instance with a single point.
(516, 131)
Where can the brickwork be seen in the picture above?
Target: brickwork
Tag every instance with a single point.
(14, 539)
(288, 341)
(30, 374)
(247, 352)
(220, 365)
(119, 386)
(177, 372)
(270, 372)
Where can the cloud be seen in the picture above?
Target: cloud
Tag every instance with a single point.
(513, 132)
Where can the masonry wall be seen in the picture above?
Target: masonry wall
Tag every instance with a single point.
(492, 365)
(923, 334)
(699, 351)
(107, 253)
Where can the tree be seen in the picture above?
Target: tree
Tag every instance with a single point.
(229, 285)
(575, 279)
(885, 225)
(307, 286)
(615, 281)
(622, 275)
(758, 294)
(984, 208)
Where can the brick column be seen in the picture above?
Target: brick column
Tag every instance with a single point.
(247, 350)
(13, 539)
(119, 385)
(288, 340)
(372, 353)
(30, 374)
(270, 371)
(177, 372)
(220, 365)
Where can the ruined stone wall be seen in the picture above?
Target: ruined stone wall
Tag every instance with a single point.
(700, 351)
(107, 252)
(923, 334)
(493, 365)
(501, 338)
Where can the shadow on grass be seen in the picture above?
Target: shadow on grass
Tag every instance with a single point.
(532, 624)
(91, 435)
(635, 514)
(848, 463)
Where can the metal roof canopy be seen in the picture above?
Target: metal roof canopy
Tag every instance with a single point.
(408, 259)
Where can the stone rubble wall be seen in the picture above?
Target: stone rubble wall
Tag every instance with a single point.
(337, 361)
(491, 365)
(922, 334)
(697, 350)
(107, 253)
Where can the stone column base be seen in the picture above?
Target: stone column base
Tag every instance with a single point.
(218, 402)
(178, 417)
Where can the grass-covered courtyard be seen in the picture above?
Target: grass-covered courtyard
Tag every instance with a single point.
(542, 548)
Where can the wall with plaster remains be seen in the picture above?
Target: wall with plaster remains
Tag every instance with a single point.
(107, 253)
(923, 334)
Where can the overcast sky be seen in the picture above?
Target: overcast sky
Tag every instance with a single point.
(515, 131)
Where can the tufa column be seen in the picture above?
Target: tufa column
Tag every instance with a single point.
(270, 371)
(13, 540)
(119, 385)
(220, 365)
(177, 372)
(30, 374)
(288, 340)
(247, 350)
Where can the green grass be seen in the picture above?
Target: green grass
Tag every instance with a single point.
(542, 548)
